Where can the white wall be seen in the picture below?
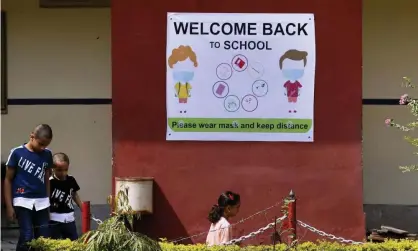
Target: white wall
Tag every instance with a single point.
(65, 53)
(62, 53)
(390, 51)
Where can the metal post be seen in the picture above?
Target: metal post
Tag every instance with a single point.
(85, 217)
(291, 217)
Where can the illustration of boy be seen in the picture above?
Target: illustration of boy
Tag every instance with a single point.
(183, 61)
(292, 64)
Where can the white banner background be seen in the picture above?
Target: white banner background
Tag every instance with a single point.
(252, 98)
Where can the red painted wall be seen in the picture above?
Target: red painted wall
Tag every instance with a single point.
(326, 175)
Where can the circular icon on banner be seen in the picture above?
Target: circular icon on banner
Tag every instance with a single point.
(249, 103)
(220, 89)
(231, 103)
(256, 70)
(224, 71)
(260, 88)
(239, 63)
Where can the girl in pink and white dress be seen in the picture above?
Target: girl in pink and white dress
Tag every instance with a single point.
(220, 231)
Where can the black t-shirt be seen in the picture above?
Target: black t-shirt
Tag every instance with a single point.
(62, 192)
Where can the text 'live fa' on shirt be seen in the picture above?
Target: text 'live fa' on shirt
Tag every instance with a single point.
(28, 186)
(62, 204)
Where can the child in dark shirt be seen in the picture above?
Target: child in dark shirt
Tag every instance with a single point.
(64, 190)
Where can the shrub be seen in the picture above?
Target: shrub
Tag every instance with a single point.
(42, 244)
(390, 245)
(116, 233)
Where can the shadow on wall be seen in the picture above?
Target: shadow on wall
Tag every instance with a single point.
(163, 223)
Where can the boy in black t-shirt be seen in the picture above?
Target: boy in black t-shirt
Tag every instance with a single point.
(64, 190)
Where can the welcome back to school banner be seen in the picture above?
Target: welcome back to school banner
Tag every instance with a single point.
(240, 77)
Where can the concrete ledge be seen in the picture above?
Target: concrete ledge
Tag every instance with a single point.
(399, 216)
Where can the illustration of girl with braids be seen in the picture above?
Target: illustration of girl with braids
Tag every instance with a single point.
(183, 61)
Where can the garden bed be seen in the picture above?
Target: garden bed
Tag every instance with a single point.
(390, 245)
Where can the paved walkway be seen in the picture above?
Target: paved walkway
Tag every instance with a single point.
(9, 239)
(8, 244)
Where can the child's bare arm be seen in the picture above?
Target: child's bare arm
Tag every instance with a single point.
(47, 182)
(77, 200)
(10, 173)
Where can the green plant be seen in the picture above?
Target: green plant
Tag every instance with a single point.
(412, 104)
(117, 232)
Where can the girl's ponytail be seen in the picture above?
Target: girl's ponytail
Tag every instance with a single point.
(225, 200)
(215, 214)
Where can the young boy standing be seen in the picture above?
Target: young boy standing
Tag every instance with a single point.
(26, 187)
(64, 189)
